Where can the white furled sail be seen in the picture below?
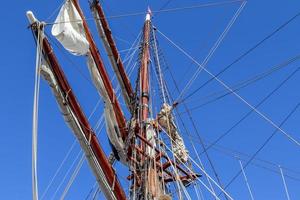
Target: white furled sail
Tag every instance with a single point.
(76, 127)
(165, 120)
(112, 128)
(68, 30)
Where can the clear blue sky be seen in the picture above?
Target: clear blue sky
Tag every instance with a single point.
(195, 30)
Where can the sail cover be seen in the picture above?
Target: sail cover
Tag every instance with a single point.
(69, 31)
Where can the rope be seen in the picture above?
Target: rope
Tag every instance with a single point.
(213, 49)
(75, 173)
(284, 183)
(251, 111)
(38, 63)
(246, 53)
(233, 92)
(243, 84)
(158, 11)
(246, 180)
(264, 144)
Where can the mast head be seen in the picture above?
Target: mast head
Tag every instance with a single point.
(149, 14)
(31, 17)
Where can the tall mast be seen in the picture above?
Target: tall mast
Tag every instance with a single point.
(102, 71)
(77, 120)
(112, 52)
(150, 183)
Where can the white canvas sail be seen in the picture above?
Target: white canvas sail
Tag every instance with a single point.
(68, 30)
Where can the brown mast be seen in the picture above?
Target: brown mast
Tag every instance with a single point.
(102, 71)
(151, 186)
(112, 51)
(69, 96)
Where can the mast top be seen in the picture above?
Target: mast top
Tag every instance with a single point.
(31, 17)
(149, 14)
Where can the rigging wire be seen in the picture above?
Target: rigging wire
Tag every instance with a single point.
(239, 58)
(264, 144)
(256, 106)
(170, 97)
(213, 49)
(284, 183)
(40, 35)
(157, 11)
(246, 179)
(244, 83)
(234, 154)
(236, 94)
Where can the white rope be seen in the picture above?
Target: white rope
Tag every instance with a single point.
(284, 183)
(35, 114)
(68, 153)
(197, 177)
(246, 179)
(213, 49)
(66, 174)
(203, 171)
(74, 175)
(158, 11)
(232, 91)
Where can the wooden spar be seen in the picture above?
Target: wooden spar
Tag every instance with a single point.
(112, 51)
(144, 73)
(66, 89)
(151, 183)
(102, 71)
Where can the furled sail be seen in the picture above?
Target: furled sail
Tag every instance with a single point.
(113, 131)
(165, 120)
(68, 30)
(76, 127)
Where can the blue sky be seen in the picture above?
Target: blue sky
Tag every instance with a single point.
(194, 30)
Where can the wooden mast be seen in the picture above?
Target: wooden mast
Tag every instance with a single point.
(69, 96)
(150, 183)
(102, 71)
(112, 51)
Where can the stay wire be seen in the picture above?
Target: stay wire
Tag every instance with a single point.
(263, 145)
(244, 54)
(247, 82)
(156, 11)
(252, 110)
(267, 119)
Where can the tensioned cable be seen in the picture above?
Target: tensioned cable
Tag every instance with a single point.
(256, 106)
(246, 179)
(246, 83)
(213, 49)
(264, 144)
(234, 154)
(158, 11)
(40, 35)
(233, 92)
(245, 53)
(284, 184)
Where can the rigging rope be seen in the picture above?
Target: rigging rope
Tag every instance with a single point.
(157, 11)
(212, 50)
(256, 106)
(264, 144)
(233, 92)
(284, 183)
(38, 63)
(243, 84)
(245, 53)
(246, 179)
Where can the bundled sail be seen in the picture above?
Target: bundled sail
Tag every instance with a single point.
(165, 120)
(72, 36)
(68, 30)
